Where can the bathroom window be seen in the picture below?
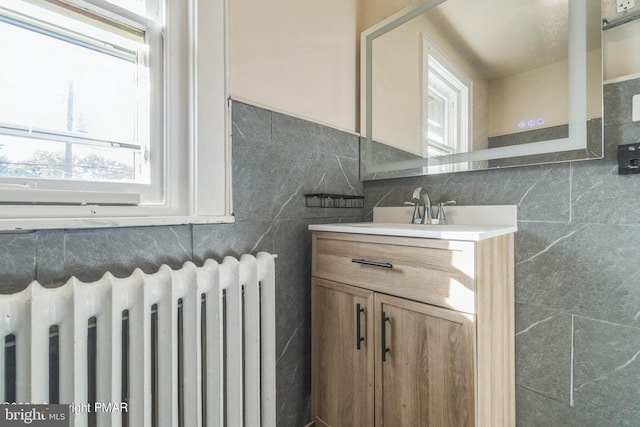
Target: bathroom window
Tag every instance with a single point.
(446, 99)
(76, 96)
(95, 120)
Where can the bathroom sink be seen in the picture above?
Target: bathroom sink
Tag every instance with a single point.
(448, 232)
(471, 223)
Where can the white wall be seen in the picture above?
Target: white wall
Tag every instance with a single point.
(298, 57)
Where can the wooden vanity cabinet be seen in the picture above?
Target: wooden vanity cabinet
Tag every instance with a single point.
(426, 376)
(412, 332)
(342, 352)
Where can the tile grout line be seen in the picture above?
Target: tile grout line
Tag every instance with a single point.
(570, 192)
(571, 396)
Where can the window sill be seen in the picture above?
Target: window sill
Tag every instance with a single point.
(31, 224)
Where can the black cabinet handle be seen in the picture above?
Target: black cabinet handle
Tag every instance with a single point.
(383, 329)
(359, 338)
(373, 263)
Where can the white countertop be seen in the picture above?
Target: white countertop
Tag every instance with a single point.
(492, 221)
(447, 232)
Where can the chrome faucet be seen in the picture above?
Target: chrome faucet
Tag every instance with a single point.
(421, 196)
(440, 217)
(415, 218)
(419, 193)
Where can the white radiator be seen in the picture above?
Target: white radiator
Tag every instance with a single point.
(199, 345)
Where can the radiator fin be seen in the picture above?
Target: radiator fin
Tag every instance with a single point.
(207, 370)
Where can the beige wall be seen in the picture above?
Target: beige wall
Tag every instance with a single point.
(539, 93)
(397, 78)
(302, 58)
(621, 58)
(397, 95)
(621, 44)
(298, 57)
(374, 11)
(542, 92)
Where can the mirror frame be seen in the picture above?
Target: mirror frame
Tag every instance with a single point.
(577, 146)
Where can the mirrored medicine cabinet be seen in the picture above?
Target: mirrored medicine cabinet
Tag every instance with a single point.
(461, 85)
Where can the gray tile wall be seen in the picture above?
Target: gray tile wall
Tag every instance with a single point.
(577, 274)
(276, 160)
(577, 253)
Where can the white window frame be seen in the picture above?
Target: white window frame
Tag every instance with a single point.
(458, 103)
(196, 172)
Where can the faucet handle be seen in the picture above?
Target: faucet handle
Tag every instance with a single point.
(416, 193)
(415, 218)
(441, 218)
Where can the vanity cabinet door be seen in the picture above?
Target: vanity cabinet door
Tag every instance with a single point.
(342, 354)
(424, 365)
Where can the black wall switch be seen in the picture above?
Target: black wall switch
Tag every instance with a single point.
(629, 158)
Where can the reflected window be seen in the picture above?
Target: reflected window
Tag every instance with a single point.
(446, 99)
